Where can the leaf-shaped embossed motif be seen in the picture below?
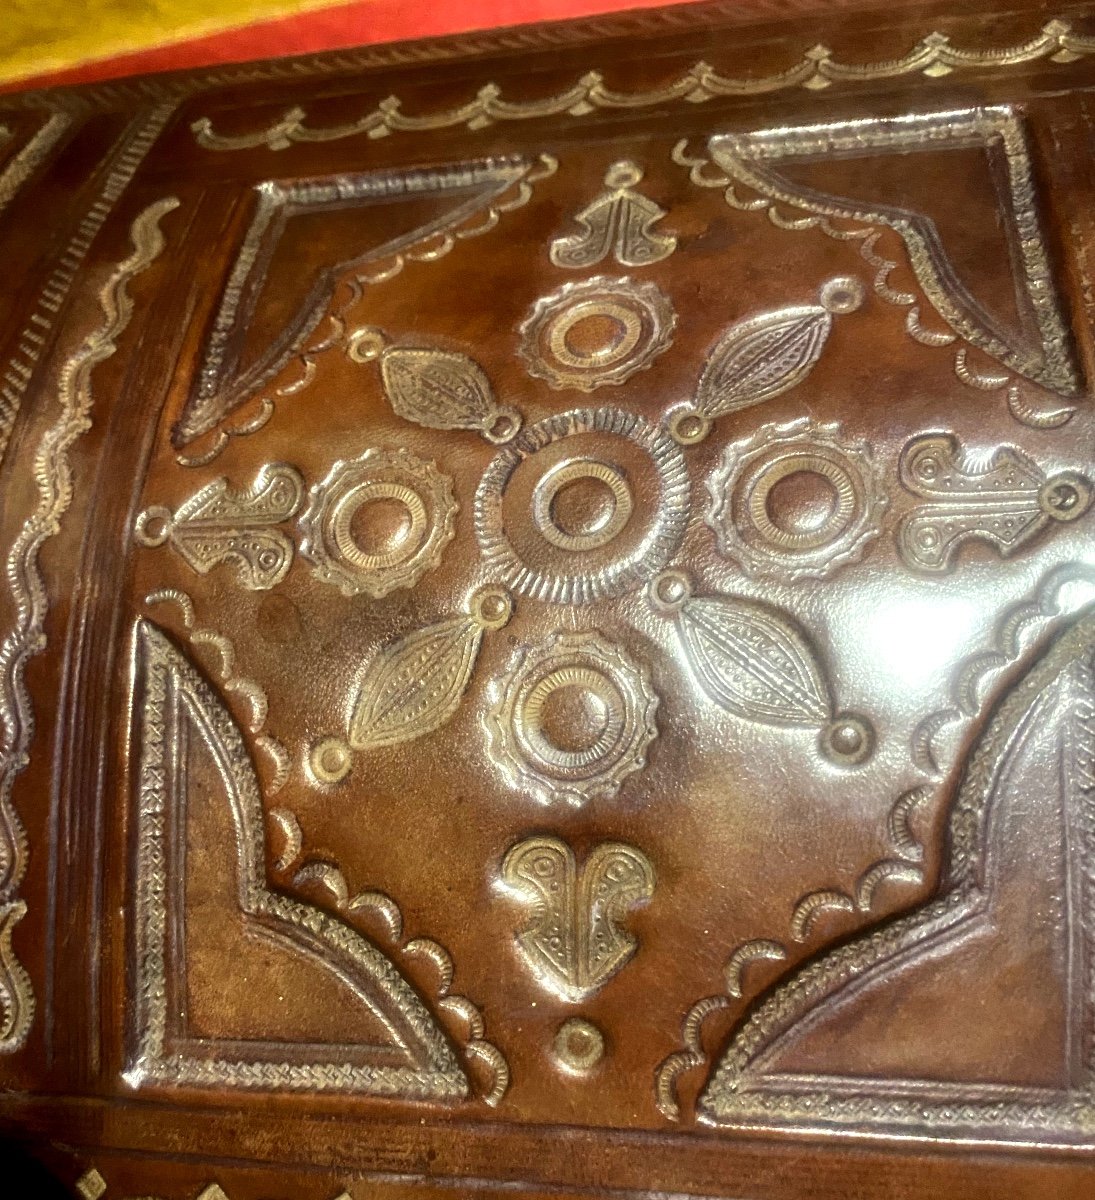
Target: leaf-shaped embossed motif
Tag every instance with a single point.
(444, 390)
(615, 878)
(753, 660)
(618, 222)
(414, 685)
(544, 870)
(574, 942)
(762, 357)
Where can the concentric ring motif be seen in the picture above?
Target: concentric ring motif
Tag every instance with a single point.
(607, 449)
(794, 501)
(572, 718)
(599, 528)
(378, 522)
(596, 332)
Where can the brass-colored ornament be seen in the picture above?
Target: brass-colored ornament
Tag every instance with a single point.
(597, 332)
(414, 510)
(574, 942)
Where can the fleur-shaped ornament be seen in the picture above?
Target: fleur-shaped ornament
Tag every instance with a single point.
(574, 942)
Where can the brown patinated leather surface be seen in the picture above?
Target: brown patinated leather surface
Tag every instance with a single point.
(545, 622)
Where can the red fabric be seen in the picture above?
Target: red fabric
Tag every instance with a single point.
(363, 23)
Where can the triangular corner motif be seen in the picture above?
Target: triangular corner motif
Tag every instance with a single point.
(476, 194)
(1038, 346)
(972, 1016)
(178, 719)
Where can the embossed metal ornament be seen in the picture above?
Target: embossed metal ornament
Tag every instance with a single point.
(438, 389)
(753, 660)
(578, 1045)
(571, 719)
(794, 501)
(817, 69)
(413, 686)
(574, 942)
(29, 595)
(416, 1059)
(608, 494)
(619, 222)
(763, 357)
(378, 522)
(1004, 499)
(596, 332)
(473, 198)
(220, 525)
(1026, 785)
(1039, 347)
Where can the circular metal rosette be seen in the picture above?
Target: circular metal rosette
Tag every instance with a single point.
(582, 506)
(599, 331)
(378, 522)
(794, 501)
(572, 718)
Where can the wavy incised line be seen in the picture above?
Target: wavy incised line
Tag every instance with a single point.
(53, 479)
(134, 144)
(933, 56)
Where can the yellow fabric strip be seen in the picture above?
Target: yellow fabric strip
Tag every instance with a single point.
(37, 36)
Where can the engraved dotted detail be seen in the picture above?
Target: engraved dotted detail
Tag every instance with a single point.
(1004, 501)
(608, 496)
(220, 524)
(378, 522)
(794, 501)
(573, 717)
(600, 331)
